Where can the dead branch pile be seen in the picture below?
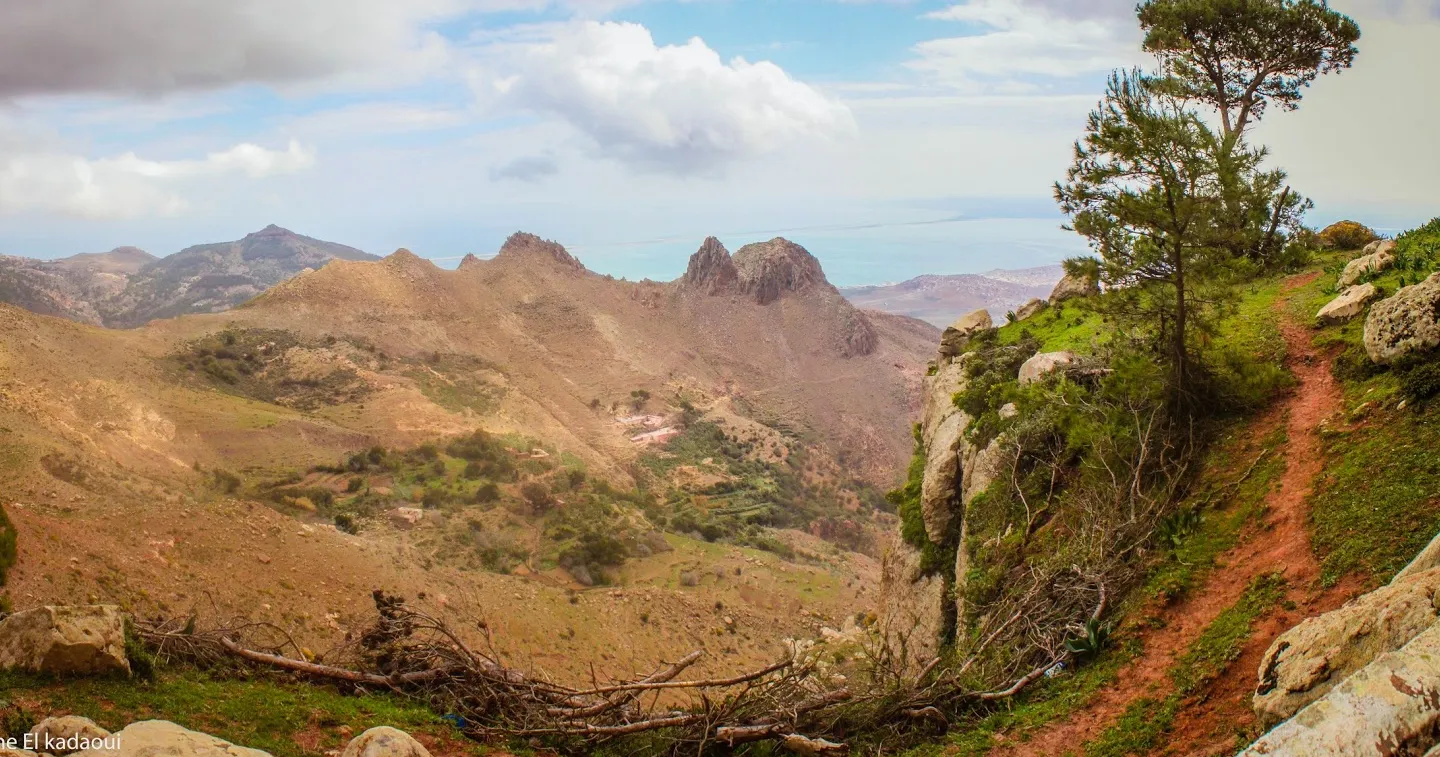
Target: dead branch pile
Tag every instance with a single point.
(418, 655)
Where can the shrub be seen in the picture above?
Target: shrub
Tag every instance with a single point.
(346, 523)
(355, 484)
(1347, 235)
(8, 547)
(488, 492)
(537, 495)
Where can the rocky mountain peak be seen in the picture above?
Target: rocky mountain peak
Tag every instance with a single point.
(711, 270)
(523, 246)
(769, 269)
(270, 231)
(469, 260)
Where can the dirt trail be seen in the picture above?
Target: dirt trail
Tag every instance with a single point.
(1280, 544)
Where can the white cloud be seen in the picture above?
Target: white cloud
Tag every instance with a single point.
(676, 108)
(43, 179)
(1017, 42)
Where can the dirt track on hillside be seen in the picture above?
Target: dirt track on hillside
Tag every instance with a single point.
(1281, 543)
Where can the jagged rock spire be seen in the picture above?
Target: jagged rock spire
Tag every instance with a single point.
(711, 270)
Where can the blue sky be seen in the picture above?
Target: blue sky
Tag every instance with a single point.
(891, 138)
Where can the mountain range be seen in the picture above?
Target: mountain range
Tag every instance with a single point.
(939, 299)
(127, 287)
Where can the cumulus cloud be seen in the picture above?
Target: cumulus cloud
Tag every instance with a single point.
(675, 108)
(1020, 43)
(43, 179)
(528, 168)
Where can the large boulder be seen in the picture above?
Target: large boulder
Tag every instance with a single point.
(87, 640)
(1390, 707)
(63, 735)
(955, 337)
(1309, 660)
(1347, 305)
(1378, 257)
(1031, 308)
(161, 738)
(384, 741)
(1406, 323)
(1043, 363)
(1073, 286)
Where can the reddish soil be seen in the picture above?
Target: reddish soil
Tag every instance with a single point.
(1214, 725)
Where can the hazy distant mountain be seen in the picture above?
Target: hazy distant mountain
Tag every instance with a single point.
(942, 299)
(128, 287)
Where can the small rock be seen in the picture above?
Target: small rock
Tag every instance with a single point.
(384, 741)
(1008, 410)
(1074, 286)
(63, 735)
(1030, 309)
(1043, 363)
(1378, 257)
(954, 338)
(1347, 305)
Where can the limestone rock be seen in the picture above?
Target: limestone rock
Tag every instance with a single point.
(711, 270)
(982, 468)
(1030, 308)
(1312, 658)
(66, 734)
(912, 604)
(1428, 558)
(942, 475)
(1347, 305)
(1389, 707)
(958, 334)
(65, 640)
(1378, 256)
(384, 741)
(1073, 286)
(161, 738)
(1008, 410)
(1042, 363)
(1408, 322)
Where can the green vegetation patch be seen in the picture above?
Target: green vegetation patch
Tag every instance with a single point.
(284, 719)
(1072, 325)
(458, 382)
(1222, 641)
(278, 367)
(9, 549)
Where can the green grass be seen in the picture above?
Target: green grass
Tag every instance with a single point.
(1226, 507)
(1140, 730)
(1046, 702)
(1069, 326)
(1378, 501)
(1221, 642)
(262, 714)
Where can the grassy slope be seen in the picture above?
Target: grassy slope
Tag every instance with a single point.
(285, 719)
(1378, 502)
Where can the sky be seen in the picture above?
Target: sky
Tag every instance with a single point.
(890, 137)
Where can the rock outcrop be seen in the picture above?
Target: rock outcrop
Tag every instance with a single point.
(913, 603)
(1043, 363)
(1390, 707)
(1406, 323)
(64, 641)
(157, 738)
(1073, 286)
(955, 337)
(767, 270)
(384, 741)
(1306, 662)
(1030, 309)
(1347, 305)
(525, 246)
(711, 270)
(1377, 257)
(942, 429)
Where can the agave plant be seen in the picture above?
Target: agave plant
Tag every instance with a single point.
(1095, 639)
(1175, 527)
